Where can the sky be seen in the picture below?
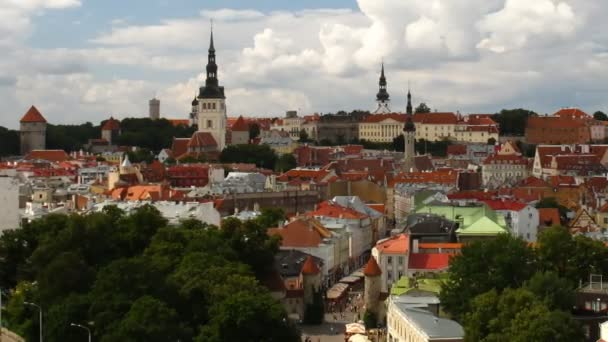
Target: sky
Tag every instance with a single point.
(87, 60)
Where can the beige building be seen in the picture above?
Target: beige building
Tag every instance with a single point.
(381, 127)
(473, 128)
(414, 324)
(506, 167)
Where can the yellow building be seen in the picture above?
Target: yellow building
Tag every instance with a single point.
(381, 127)
(474, 128)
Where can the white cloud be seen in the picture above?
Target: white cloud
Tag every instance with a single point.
(474, 55)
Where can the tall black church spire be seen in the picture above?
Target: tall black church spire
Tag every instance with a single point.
(408, 108)
(211, 88)
(382, 95)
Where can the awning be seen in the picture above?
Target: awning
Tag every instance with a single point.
(350, 280)
(337, 291)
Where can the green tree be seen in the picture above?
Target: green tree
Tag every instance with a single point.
(601, 116)
(286, 162)
(492, 141)
(261, 155)
(303, 136)
(497, 263)
(270, 217)
(555, 292)
(370, 320)
(517, 315)
(141, 155)
(422, 108)
(254, 131)
(10, 142)
(513, 121)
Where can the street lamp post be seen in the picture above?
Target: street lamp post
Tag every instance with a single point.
(82, 327)
(40, 316)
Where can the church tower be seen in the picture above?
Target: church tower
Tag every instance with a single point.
(409, 139)
(212, 103)
(382, 98)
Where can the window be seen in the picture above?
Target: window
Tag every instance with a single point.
(213, 105)
(209, 124)
(204, 105)
(400, 260)
(389, 260)
(605, 220)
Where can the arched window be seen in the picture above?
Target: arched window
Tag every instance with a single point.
(204, 105)
(213, 105)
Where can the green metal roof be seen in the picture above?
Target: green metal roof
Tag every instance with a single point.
(473, 220)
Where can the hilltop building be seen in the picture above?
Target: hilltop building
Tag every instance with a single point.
(32, 131)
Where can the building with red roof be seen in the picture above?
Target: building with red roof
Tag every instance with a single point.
(32, 131)
(240, 132)
(392, 255)
(381, 127)
(522, 219)
(549, 217)
(573, 160)
(428, 262)
(48, 155)
(566, 126)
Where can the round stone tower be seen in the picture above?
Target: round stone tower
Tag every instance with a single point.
(311, 279)
(32, 131)
(371, 294)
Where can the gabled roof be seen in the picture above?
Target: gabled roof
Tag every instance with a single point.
(50, 155)
(371, 268)
(240, 125)
(334, 210)
(310, 267)
(32, 115)
(571, 113)
(179, 146)
(302, 232)
(202, 139)
(505, 159)
(111, 125)
(548, 216)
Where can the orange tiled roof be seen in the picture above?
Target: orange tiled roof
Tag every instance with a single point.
(179, 146)
(439, 177)
(331, 209)
(111, 125)
(310, 267)
(178, 122)
(371, 268)
(571, 113)
(394, 245)
(505, 159)
(33, 115)
(202, 139)
(50, 155)
(302, 232)
(240, 125)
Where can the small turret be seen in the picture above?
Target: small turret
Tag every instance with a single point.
(311, 279)
(371, 294)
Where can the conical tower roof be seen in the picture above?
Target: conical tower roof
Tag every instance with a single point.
(310, 267)
(372, 269)
(33, 115)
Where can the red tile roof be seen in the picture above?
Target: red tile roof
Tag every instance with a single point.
(507, 159)
(50, 155)
(457, 149)
(310, 267)
(240, 125)
(374, 118)
(429, 261)
(371, 268)
(534, 182)
(179, 146)
(33, 115)
(111, 125)
(505, 205)
(202, 139)
(436, 118)
(302, 232)
(473, 195)
(399, 244)
(331, 209)
(548, 216)
(571, 113)
(304, 174)
(179, 122)
(437, 177)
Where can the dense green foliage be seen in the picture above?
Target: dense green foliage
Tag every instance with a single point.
(285, 162)
(518, 315)
(254, 131)
(370, 320)
(153, 135)
(503, 288)
(138, 279)
(422, 108)
(601, 116)
(260, 155)
(513, 121)
(71, 137)
(421, 146)
(10, 142)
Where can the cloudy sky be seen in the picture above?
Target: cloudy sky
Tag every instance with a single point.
(84, 60)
